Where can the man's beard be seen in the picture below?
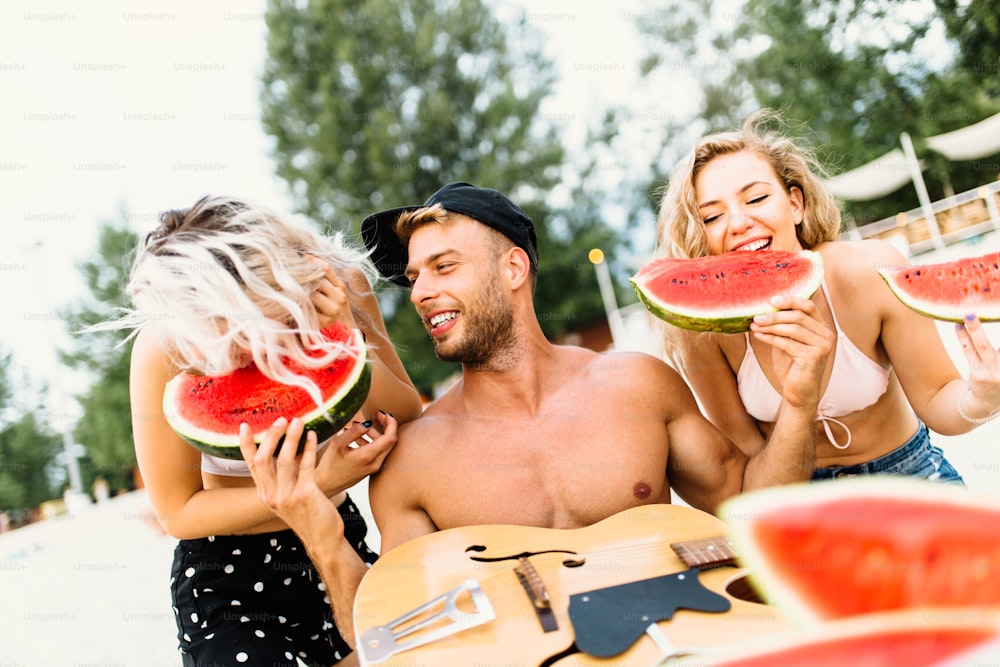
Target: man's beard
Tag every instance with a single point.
(487, 329)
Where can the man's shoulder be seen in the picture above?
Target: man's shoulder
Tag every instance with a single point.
(419, 436)
(620, 372)
(627, 361)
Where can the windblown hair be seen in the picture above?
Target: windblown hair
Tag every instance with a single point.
(225, 278)
(680, 227)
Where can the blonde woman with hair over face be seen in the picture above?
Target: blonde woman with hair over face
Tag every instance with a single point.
(215, 287)
(888, 377)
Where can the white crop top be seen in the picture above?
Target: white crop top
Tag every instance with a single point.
(218, 465)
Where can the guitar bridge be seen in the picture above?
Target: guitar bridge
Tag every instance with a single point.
(439, 618)
(534, 586)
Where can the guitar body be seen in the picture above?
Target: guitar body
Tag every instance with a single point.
(632, 546)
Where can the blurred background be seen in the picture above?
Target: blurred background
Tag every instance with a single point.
(332, 109)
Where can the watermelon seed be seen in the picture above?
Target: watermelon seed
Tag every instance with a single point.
(704, 277)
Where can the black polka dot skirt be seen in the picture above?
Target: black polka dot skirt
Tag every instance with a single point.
(257, 599)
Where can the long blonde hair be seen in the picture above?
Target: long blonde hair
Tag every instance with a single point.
(224, 278)
(680, 228)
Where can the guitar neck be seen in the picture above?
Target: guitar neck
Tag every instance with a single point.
(705, 553)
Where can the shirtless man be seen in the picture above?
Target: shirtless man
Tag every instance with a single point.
(533, 433)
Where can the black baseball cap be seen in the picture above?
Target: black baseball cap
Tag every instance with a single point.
(484, 205)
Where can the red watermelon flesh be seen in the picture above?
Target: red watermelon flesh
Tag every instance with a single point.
(880, 640)
(949, 290)
(207, 410)
(723, 293)
(847, 547)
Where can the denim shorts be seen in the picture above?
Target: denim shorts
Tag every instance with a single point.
(916, 458)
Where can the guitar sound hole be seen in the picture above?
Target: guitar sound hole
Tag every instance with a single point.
(741, 589)
(574, 563)
(479, 548)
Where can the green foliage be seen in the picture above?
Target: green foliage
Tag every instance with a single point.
(851, 76)
(974, 27)
(27, 454)
(105, 428)
(378, 104)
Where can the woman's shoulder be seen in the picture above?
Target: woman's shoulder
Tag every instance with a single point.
(150, 354)
(864, 250)
(859, 261)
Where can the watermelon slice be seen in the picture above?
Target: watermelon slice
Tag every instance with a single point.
(206, 411)
(949, 290)
(910, 639)
(723, 293)
(832, 549)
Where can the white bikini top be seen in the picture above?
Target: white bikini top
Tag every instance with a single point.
(218, 465)
(856, 381)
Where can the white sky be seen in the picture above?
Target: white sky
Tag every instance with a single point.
(150, 105)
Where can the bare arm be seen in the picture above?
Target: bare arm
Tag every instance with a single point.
(926, 372)
(706, 465)
(287, 485)
(800, 345)
(171, 468)
(708, 372)
(394, 501)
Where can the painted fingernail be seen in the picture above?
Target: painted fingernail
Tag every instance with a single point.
(970, 317)
(367, 423)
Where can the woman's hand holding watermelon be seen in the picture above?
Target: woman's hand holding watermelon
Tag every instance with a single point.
(983, 400)
(284, 482)
(288, 483)
(800, 344)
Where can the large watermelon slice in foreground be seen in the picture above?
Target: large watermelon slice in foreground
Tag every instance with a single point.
(207, 410)
(942, 638)
(723, 293)
(840, 548)
(949, 290)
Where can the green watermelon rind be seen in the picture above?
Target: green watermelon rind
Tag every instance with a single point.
(326, 420)
(986, 310)
(733, 320)
(742, 512)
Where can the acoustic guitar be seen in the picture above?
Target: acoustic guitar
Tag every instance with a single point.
(642, 584)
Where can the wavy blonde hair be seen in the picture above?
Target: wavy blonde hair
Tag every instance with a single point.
(680, 226)
(224, 278)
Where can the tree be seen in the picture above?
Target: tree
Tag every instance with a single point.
(105, 428)
(27, 453)
(851, 76)
(378, 104)
(974, 26)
